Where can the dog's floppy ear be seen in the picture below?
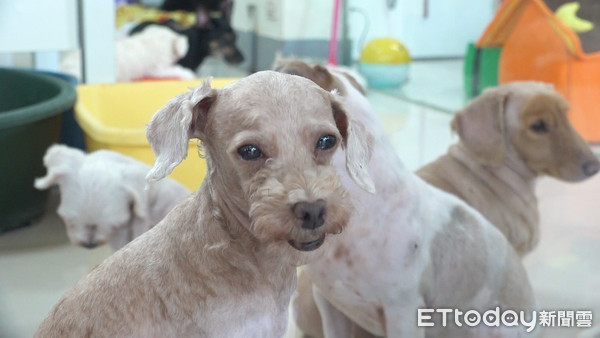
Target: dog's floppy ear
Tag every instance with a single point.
(59, 160)
(139, 201)
(358, 143)
(180, 46)
(172, 126)
(480, 126)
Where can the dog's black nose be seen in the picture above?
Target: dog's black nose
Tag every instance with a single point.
(89, 245)
(591, 168)
(312, 214)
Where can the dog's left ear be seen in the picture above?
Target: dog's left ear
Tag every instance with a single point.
(139, 202)
(171, 128)
(60, 161)
(358, 143)
(480, 126)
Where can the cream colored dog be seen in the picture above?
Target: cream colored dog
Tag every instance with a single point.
(153, 52)
(510, 135)
(223, 262)
(408, 247)
(103, 195)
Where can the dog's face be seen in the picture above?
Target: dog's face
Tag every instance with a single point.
(548, 143)
(93, 213)
(269, 140)
(94, 202)
(222, 39)
(530, 118)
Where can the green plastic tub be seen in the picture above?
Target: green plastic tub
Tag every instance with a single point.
(31, 105)
(480, 69)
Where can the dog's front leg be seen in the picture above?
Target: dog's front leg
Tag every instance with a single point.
(335, 323)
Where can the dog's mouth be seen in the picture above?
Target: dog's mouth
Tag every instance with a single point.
(307, 246)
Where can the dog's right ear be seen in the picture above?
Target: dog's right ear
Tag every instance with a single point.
(59, 160)
(172, 126)
(480, 126)
(358, 143)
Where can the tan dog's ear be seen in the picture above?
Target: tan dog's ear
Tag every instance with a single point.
(279, 61)
(59, 160)
(323, 77)
(480, 126)
(358, 144)
(171, 128)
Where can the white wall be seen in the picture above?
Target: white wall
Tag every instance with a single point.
(267, 15)
(311, 19)
(47, 27)
(37, 25)
(286, 19)
(444, 32)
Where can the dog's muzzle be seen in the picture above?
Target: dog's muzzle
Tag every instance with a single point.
(307, 246)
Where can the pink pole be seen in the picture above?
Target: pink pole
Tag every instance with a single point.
(334, 32)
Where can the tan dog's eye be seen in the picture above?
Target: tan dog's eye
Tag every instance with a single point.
(326, 142)
(249, 152)
(539, 126)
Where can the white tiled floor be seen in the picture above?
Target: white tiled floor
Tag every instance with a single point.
(37, 263)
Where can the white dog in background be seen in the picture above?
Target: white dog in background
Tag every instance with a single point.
(153, 52)
(103, 195)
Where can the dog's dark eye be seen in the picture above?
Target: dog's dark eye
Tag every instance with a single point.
(249, 152)
(326, 142)
(539, 127)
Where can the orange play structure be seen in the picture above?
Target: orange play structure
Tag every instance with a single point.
(536, 45)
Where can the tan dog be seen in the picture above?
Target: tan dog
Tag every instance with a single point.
(509, 136)
(408, 247)
(223, 262)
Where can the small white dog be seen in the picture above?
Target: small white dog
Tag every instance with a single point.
(103, 197)
(153, 52)
(408, 247)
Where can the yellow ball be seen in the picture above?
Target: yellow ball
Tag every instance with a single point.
(385, 50)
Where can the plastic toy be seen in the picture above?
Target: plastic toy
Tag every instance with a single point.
(384, 62)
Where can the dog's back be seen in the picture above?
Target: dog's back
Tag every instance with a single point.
(163, 195)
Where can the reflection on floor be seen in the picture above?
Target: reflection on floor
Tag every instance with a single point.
(37, 263)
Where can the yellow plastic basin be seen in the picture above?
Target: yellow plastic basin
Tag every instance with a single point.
(114, 117)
